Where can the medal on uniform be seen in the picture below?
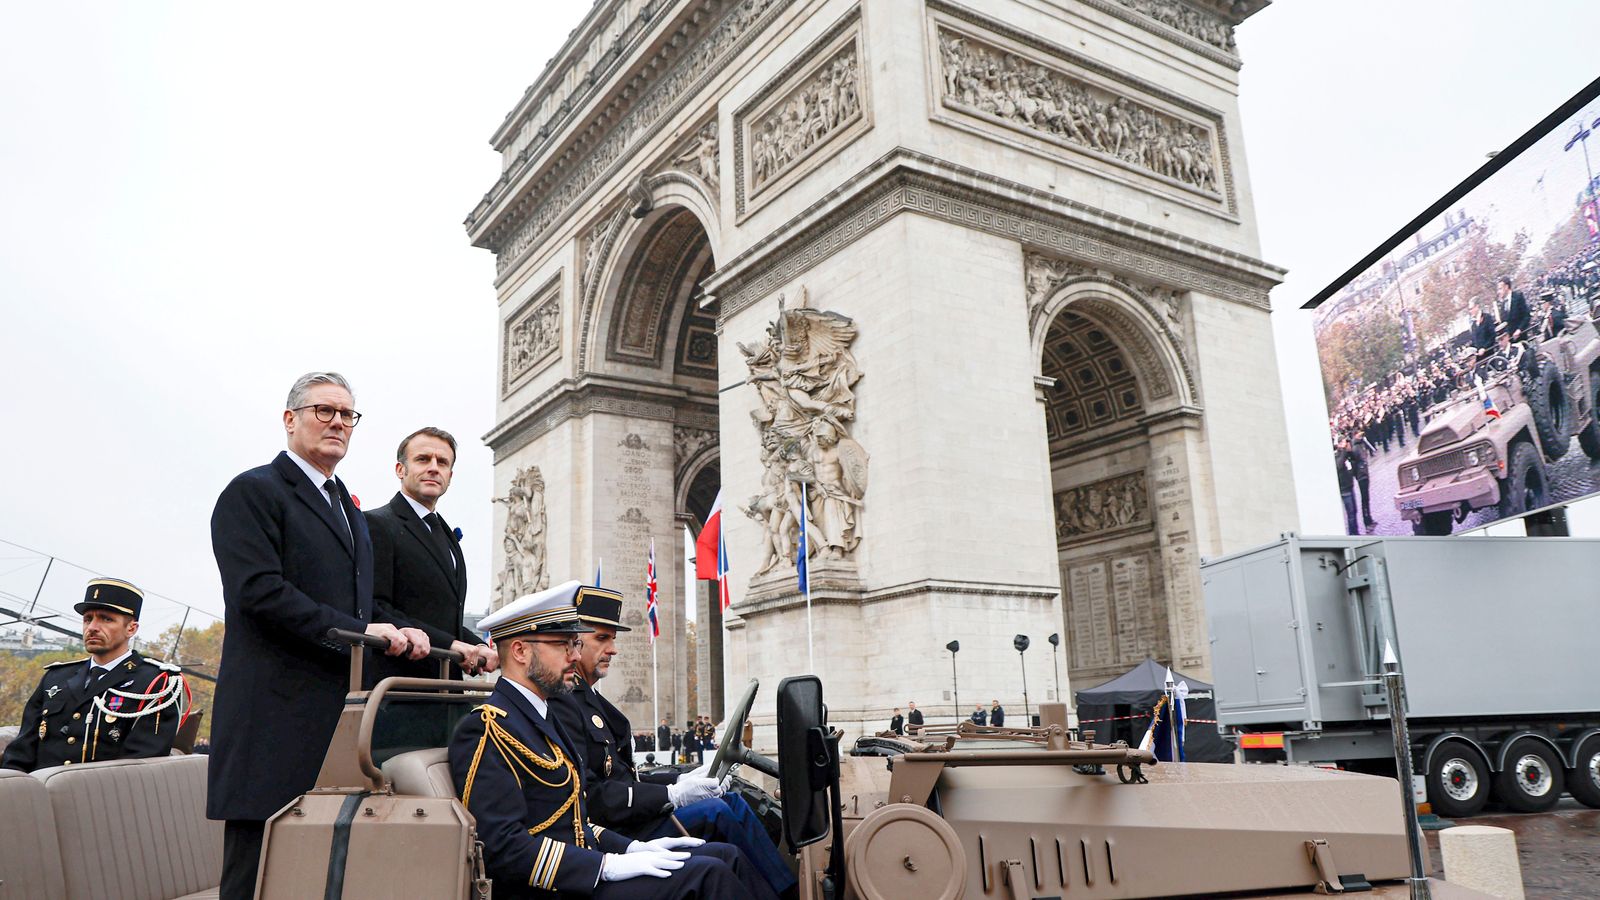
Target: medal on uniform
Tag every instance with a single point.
(598, 722)
(115, 703)
(42, 729)
(53, 691)
(608, 765)
(115, 734)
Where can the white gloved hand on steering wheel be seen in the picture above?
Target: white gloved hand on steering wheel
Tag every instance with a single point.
(692, 789)
(702, 771)
(652, 862)
(668, 844)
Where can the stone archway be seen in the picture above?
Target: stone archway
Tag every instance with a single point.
(1121, 418)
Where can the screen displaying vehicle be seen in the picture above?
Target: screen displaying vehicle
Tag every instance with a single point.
(1460, 359)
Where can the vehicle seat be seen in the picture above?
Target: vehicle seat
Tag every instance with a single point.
(30, 859)
(421, 773)
(143, 821)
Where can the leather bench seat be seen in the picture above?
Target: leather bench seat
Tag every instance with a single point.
(131, 829)
(421, 773)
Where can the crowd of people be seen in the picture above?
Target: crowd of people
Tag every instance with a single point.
(1381, 416)
(688, 744)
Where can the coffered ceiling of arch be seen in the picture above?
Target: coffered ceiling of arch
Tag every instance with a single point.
(673, 260)
(1095, 386)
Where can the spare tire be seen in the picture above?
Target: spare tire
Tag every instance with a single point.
(1547, 401)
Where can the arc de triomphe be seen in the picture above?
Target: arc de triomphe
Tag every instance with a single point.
(981, 278)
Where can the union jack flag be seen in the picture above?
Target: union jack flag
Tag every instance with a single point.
(650, 595)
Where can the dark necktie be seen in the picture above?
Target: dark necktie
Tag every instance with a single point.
(442, 541)
(331, 487)
(94, 672)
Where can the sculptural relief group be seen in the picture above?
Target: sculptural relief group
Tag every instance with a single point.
(828, 101)
(1024, 93)
(805, 374)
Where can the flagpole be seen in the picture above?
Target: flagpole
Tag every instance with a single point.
(655, 673)
(811, 650)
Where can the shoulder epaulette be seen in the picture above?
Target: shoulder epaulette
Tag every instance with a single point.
(491, 707)
(163, 665)
(67, 662)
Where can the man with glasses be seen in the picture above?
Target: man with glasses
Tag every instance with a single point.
(520, 776)
(295, 561)
(663, 802)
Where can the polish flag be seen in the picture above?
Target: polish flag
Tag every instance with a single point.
(708, 546)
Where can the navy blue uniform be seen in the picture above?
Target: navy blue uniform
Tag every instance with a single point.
(130, 712)
(521, 779)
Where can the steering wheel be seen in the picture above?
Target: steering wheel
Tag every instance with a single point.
(730, 751)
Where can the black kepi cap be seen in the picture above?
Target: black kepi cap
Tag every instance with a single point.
(113, 594)
(600, 606)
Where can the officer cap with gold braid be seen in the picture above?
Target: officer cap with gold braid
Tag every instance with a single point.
(547, 612)
(113, 594)
(600, 606)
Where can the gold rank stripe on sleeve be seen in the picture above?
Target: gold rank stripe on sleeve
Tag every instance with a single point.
(547, 864)
(597, 830)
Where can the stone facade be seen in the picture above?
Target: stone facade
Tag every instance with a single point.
(1033, 311)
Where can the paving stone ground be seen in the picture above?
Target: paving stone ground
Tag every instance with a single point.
(1559, 850)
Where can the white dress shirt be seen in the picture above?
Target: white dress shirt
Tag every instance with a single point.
(423, 513)
(538, 702)
(317, 481)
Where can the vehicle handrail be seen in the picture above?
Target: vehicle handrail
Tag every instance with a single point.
(369, 714)
(357, 638)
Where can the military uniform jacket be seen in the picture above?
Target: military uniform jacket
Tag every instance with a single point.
(130, 712)
(519, 776)
(617, 797)
(412, 574)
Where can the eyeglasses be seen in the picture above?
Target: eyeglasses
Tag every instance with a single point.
(570, 645)
(325, 413)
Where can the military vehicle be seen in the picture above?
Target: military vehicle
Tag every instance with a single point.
(954, 812)
(1488, 445)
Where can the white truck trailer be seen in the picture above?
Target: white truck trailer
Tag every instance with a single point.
(1499, 640)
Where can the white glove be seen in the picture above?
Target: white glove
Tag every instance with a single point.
(692, 789)
(704, 770)
(651, 862)
(670, 843)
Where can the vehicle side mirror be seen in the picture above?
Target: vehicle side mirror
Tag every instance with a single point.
(803, 760)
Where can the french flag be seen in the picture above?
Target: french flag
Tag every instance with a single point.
(650, 595)
(708, 546)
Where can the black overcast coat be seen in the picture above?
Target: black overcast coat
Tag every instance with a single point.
(412, 576)
(617, 797)
(290, 571)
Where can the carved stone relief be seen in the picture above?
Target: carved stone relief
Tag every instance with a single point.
(982, 78)
(687, 444)
(805, 374)
(1186, 19)
(1111, 505)
(525, 570)
(805, 109)
(700, 157)
(532, 336)
(596, 241)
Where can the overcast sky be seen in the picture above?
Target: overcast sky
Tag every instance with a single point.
(200, 201)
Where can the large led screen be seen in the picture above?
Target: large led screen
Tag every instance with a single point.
(1460, 359)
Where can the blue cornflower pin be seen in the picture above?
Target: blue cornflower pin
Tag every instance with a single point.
(457, 531)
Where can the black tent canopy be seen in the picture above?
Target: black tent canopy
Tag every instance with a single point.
(1120, 709)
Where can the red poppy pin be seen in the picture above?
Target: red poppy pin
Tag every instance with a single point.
(356, 500)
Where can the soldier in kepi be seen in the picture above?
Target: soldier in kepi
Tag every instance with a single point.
(657, 805)
(116, 704)
(521, 777)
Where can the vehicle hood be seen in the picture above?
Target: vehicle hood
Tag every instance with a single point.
(1454, 424)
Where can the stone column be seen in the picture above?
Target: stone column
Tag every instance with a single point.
(1176, 460)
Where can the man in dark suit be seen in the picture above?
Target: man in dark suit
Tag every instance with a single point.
(663, 735)
(997, 714)
(979, 715)
(656, 805)
(914, 717)
(1514, 309)
(537, 837)
(897, 723)
(295, 561)
(116, 704)
(417, 564)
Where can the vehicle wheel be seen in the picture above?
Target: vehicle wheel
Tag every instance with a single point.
(1532, 780)
(1458, 781)
(1524, 488)
(1583, 780)
(1547, 401)
(1589, 437)
(1434, 523)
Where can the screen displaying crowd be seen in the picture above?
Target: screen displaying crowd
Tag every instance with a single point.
(1475, 334)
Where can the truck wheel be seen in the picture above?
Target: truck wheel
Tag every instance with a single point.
(1524, 487)
(1532, 780)
(1589, 437)
(1434, 523)
(1458, 781)
(1547, 402)
(1583, 780)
